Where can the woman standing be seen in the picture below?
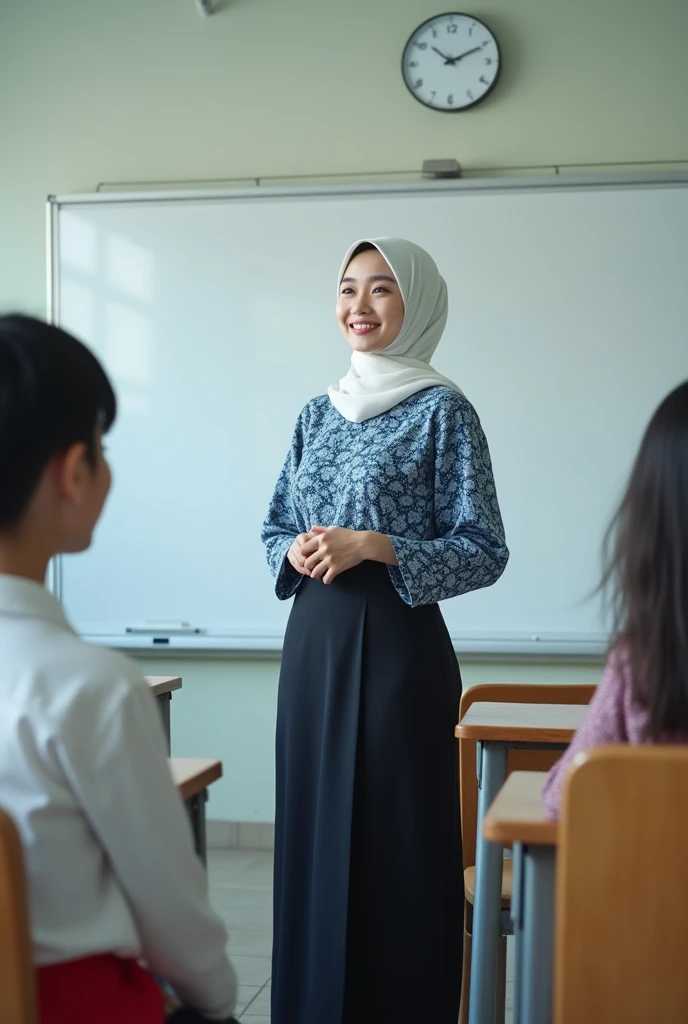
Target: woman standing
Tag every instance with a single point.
(385, 506)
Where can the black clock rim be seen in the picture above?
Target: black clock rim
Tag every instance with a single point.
(475, 103)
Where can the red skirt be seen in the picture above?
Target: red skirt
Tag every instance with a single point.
(106, 989)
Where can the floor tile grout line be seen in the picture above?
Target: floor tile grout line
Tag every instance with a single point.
(260, 990)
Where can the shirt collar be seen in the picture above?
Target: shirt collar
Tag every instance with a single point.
(28, 599)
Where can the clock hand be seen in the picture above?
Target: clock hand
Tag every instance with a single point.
(466, 54)
(454, 60)
(447, 60)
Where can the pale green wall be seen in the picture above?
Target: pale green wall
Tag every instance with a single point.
(140, 90)
(227, 710)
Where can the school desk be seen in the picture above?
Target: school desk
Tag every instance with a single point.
(517, 818)
(498, 728)
(161, 688)
(192, 776)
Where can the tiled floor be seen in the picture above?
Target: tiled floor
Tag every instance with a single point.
(241, 891)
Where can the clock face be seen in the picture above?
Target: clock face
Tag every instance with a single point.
(451, 62)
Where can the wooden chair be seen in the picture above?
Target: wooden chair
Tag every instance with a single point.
(518, 760)
(622, 900)
(17, 986)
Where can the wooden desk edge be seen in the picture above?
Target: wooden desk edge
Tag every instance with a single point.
(517, 814)
(514, 722)
(513, 734)
(534, 833)
(192, 775)
(163, 684)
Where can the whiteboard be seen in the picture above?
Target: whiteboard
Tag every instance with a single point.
(214, 315)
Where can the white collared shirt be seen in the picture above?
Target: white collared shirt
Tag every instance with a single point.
(108, 850)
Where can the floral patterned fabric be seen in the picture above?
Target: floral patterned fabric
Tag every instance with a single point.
(420, 473)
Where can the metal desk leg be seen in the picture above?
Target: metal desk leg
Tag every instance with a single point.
(517, 924)
(488, 890)
(535, 937)
(164, 703)
(196, 808)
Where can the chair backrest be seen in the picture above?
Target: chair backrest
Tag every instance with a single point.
(622, 898)
(518, 760)
(17, 983)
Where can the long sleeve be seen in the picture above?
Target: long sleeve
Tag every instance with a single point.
(604, 722)
(115, 760)
(469, 551)
(282, 523)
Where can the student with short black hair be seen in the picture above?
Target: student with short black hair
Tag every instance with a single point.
(111, 870)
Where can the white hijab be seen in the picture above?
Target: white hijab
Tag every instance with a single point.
(377, 381)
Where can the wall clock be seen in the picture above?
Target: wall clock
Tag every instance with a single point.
(451, 62)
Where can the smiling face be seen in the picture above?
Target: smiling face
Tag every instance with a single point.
(370, 309)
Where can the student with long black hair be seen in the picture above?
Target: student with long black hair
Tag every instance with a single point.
(643, 695)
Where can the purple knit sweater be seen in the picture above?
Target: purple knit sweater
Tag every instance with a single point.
(612, 717)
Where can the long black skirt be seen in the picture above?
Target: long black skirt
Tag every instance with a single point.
(368, 871)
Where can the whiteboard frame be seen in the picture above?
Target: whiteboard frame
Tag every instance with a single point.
(486, 646)
(567, 182)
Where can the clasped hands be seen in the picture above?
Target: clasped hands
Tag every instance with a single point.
(325, 552)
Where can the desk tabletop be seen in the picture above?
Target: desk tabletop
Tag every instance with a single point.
(191, 775)
(517, 814)
(163, 684)
(521, 723)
